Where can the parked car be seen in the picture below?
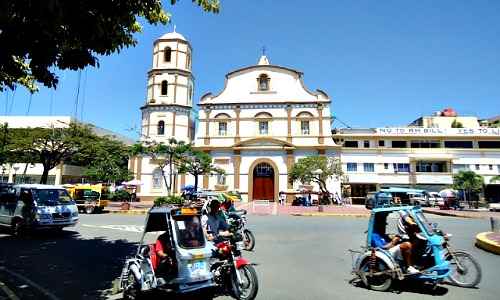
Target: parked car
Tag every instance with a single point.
(418, 199)
(434, 199)
(378, 199)
(494, 206)
(36, 206)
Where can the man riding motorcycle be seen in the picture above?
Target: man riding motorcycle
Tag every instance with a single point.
(214, 223)
(394, 245)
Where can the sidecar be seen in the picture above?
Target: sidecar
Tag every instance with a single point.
(377, 267)
(186, 267)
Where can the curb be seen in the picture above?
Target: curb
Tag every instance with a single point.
(446, 214)
(486, 244)
(329, 215)
(129, 212)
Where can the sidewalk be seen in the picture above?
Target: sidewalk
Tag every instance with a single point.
(489, 241)
(473, 214)
(136, 208)
(309, 211)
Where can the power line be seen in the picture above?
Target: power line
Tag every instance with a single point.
(342, 122)
(12, 101)
(83, 95)
(29, 104)
(75, 112)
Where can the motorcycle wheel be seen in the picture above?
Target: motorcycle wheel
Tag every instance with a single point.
(89, 209)
(133, 290)
(465, 270)
(380, 282)
(249, 240)
(248, 290)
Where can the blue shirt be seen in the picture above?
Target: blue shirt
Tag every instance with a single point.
(378, 240)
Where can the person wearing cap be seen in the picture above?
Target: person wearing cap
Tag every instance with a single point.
(214, 226)
(394, 245)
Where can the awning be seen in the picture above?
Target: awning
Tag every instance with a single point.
(400, 190)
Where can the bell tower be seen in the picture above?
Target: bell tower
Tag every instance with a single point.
(167, 112)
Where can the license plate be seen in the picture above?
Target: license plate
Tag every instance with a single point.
(240, 245)
(197, 266)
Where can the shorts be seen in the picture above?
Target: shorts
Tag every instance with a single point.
(396, 252)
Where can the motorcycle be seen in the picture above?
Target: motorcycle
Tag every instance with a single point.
(435, 259)
(188, 251)
(233, 274)
(237, 221)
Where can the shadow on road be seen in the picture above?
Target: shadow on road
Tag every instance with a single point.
(65, 264)
(410, 286)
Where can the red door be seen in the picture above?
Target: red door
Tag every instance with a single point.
(263, 188)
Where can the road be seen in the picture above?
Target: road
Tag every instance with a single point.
(297, 257)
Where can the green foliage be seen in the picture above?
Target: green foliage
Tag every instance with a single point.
(163, 155)
(44, 35)
(456, 124)
(468, 180)
(120, 195)
(198, 163)
(305, 168)
(168, 200)
(48, 146)
(495, 178)
(4, 143)
(106, 160)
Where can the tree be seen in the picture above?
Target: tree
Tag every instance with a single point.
(4, 143)
(48, 146)
(198, 163)
(106, 160)
(37, 36)
(495, 178)
(469, 182)
(164, 155)
(456, 124)
(305, 170)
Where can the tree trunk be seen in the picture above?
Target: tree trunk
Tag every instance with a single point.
(45, 175)
(165, 180)
(195, 182)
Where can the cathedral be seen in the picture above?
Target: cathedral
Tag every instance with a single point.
(255, 129)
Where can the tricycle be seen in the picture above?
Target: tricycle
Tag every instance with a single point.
(181, 261)
(432, 256)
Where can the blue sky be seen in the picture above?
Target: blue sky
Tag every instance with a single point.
(383, 63)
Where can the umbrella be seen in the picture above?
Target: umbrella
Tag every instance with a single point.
(132, 182)
(448, 193)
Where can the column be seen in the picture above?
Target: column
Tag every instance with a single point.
(236, 169)
(290, 160)
(321, 139)
(289, 123)
(174, 114)
(237, 111)
(206, 140)
(138, 167)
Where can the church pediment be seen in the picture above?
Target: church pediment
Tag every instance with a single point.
(263, 142)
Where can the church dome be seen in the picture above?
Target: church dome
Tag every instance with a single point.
(173, 36)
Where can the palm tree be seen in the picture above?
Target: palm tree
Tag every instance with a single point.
(468, 181)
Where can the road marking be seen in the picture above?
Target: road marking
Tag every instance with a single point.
(129, 228)
(8, 291)
(31, 283)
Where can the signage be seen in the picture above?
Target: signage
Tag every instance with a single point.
(416, 131)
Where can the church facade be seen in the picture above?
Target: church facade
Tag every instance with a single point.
(256, 128)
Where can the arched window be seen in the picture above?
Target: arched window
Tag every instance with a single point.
(190, 93)
(304, 119)
(167, 54)
(157, 179)
(161, 128)
(263, 119)
(263, 81)
(188, 60)
(164, 87)
(222, 122)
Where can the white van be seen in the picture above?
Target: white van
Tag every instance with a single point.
(37, 206)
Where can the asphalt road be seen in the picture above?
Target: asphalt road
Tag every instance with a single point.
(297, 257)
